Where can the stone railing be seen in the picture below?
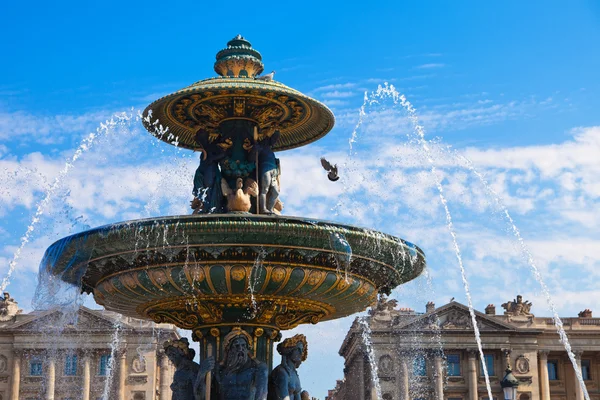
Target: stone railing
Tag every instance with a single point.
(589, 321)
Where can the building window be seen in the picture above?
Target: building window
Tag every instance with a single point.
(419, 366)
(453, 365)
(71, 365)
(104, 365)
(489, 363)
(585, 370)
(35, 367)
(553, 370)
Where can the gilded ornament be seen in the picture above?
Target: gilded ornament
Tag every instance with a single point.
(196, 273)
(344, 283)
(238, 273)
(314, 277)
(129, 280)
(278, 274)
(258, 332)
(159, 276)
(215, 332)
(364, 288)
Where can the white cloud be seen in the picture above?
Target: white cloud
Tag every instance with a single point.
(430, 66)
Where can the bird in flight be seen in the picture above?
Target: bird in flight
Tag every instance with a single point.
(331, 169)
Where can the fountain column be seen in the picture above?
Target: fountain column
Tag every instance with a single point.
(472, 371)
(439, 377)
(16, 376)
(51, 379)
(544, 381)
(122, 357)
(404, 386)
(165, 381)
(86, 377)
(578, 390)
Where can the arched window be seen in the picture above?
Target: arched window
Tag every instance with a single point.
(388, 396)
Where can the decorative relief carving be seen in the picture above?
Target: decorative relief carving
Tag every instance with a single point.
(386, 365)
(3, 363)
(522, 364)
(138, 364)
(457, 320)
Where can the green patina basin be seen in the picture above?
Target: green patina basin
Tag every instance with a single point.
(199, 271)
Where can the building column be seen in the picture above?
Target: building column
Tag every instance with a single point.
(122, 369)
(86, 377)
(165, 382)
(472, 374)
(439, 377)
(404, 385)
(15, 386)
(51, 378)
(544, 381)
(578, 389)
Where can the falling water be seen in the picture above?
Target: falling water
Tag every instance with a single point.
(253, 278)
(366, 336)
(390, 91)
(529, 258)
(114, 347)
(118, 119)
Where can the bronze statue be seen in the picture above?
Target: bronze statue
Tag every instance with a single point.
(208, 197)
(268, 172)
(239, 376)
(284, 382)
(188, 374)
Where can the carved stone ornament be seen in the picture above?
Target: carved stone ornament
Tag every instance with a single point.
(138, 364)
(522, 364)
(8, 307)
(457, 320)
(3, 363)
(386, 365)
(518, 307)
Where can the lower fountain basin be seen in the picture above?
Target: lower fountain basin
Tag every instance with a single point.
(199, 271)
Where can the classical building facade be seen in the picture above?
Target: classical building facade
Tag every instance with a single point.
(47, 355)
(434, 355)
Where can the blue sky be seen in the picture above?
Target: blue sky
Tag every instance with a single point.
(512, 86)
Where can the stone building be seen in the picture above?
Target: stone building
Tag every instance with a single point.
(47, 355)
(434, 355)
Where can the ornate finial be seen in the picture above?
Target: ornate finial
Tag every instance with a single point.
(239, 60)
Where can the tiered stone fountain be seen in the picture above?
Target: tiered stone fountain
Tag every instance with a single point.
(235, 262)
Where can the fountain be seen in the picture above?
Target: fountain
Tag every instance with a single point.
(236, 272)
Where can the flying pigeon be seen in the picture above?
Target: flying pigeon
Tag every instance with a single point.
(332, 170)
(267, 77)
(451, 300)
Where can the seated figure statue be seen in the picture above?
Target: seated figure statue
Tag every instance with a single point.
(188, 373)
(284, 382)
(238, 376)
